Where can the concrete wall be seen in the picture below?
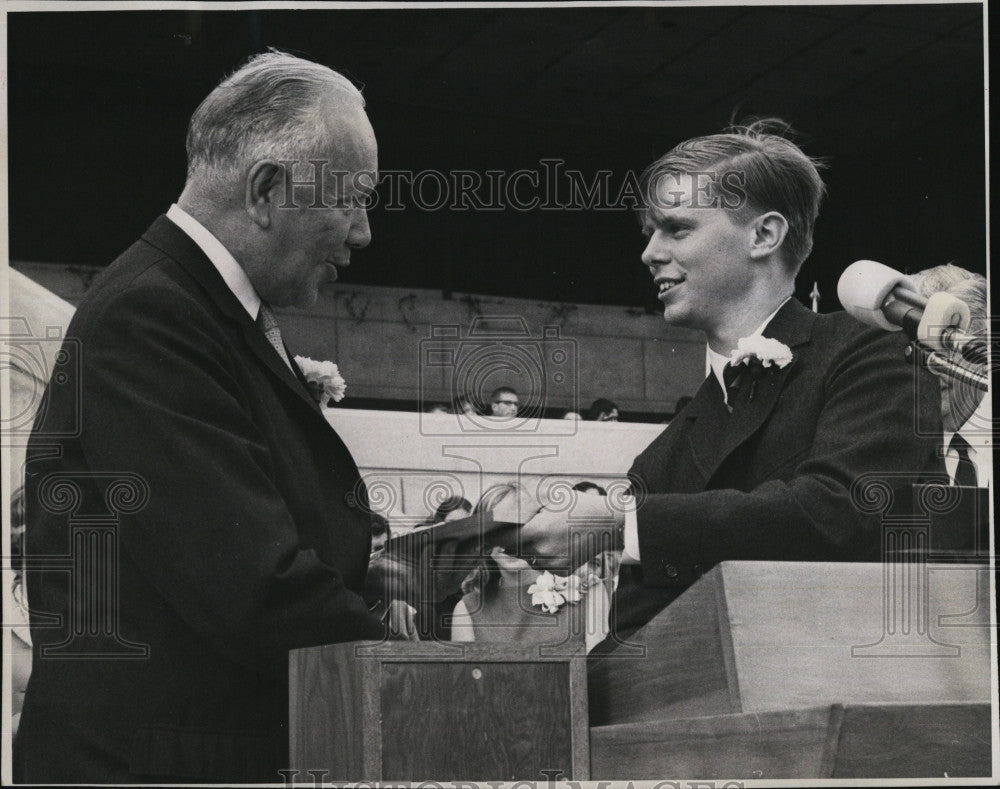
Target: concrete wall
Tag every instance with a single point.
(411, 344)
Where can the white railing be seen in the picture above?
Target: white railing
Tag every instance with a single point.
(412, 461)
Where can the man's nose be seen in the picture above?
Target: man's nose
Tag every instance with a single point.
(655, 254)
(361, 232)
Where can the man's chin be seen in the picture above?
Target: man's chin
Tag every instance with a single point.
(307, 300)
(675, 316)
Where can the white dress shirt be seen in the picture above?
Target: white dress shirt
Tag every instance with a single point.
(978, 432)
(229, 269)
(715, 363)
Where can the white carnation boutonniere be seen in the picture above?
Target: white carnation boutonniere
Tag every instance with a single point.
(758, 356)
(550, 592)
(324, 379)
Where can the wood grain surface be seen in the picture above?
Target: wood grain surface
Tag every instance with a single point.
(857, 741)
(771, 636)
(677, 666)
(908, 741)
(475, 720)
(762, 746)
(430, 711)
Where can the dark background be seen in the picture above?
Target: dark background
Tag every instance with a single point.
(891, 96)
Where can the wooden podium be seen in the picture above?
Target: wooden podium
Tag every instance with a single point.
(802, 670)
(760, 670)
(409, 711)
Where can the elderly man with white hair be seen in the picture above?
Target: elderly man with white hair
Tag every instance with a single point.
(966, 413)
(240, 529)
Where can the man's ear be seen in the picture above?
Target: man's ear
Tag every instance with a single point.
(263, 191)
(769, 231)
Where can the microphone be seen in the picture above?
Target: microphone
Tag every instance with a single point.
(882, 297)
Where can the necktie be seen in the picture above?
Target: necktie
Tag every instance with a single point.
(731, 376)
(965, 473)
(269, 325)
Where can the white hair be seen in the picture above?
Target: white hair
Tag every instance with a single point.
(966, 285)
(270, 108)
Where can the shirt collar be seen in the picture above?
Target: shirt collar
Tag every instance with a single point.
(229, 269)
(716, 362)
(973, 429)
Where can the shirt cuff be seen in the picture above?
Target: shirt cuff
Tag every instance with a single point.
(630, 553)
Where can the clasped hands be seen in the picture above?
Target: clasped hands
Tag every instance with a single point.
(550, 537)
(563, 537)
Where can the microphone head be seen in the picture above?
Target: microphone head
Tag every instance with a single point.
(943, 313)
(863, 288)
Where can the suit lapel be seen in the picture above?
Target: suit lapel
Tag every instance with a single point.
(707, 418)
(268, 356)
(174, 242)
(748, 415)
(715, 438)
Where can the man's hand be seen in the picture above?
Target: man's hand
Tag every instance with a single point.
(518, 506)
(390, 578)
(402, 621)
(567, 539)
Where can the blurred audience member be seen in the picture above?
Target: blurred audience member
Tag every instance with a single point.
(504, 402)
(16, 611)
(437, 408)
(463, 405)
(572, 415)
(602, 410)
(493, 495)
(485, 573)
(452, 508)
(381, 533)
(591, 488)
(484, 580)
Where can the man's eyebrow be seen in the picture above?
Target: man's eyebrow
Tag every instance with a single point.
(659, 220)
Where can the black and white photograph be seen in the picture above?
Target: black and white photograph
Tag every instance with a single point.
(497, 394)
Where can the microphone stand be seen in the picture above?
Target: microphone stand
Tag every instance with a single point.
(944, 367)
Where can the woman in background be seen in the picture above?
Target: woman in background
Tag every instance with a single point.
(602, 410)
(498, 606)
(452, 508)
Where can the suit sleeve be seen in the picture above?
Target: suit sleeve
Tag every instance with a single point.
(867, 424)
(215, 539)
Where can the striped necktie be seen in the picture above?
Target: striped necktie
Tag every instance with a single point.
(269, 325)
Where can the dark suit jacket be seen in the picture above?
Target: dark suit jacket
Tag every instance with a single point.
(772, 480)
(227, 514)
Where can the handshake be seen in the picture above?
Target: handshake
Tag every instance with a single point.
(427, 567)
(562, 537)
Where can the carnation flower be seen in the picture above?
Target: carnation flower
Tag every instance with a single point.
(551, 592)
(324, 379)
(765, 350)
